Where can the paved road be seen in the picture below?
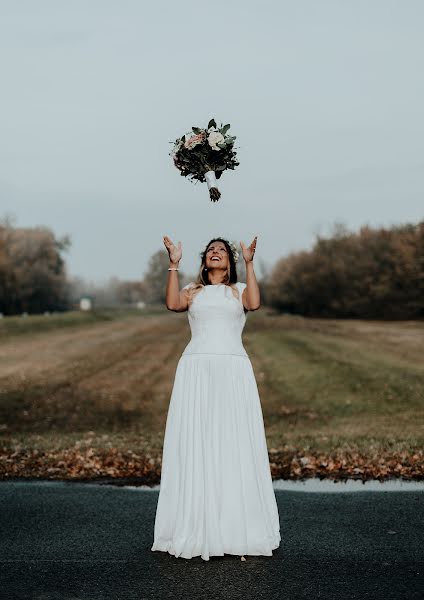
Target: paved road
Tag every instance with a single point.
(73, 541)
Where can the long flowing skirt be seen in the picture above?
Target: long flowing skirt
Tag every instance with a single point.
(216, 495)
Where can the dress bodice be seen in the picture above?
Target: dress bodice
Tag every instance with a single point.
(216, 319)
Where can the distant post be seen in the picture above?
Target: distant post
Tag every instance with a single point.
(85, 303)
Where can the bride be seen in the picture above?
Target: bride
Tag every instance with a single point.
(216, 495)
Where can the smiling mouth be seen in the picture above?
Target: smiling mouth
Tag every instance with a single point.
(215, 258)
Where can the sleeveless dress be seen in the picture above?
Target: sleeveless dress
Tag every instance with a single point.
(216, 495)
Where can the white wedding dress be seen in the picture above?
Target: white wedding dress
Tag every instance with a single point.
(216, 495)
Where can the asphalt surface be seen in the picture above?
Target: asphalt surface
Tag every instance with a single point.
(73, 541)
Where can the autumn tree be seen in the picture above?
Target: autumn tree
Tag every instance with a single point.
(32, 270)
(375, 273)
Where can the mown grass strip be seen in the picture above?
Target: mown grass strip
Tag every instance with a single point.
(33, 324)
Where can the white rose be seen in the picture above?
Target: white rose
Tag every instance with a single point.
(215, 138)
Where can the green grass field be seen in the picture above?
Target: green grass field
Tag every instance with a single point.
(104, 380)
(340, 383)
(12, 326)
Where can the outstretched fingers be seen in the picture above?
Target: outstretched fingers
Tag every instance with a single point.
(167, 241)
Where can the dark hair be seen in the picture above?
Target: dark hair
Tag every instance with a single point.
(203, 276)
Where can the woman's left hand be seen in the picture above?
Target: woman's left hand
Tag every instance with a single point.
(249, 252)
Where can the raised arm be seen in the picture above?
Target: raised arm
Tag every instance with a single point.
(251, 296)
(176, 300)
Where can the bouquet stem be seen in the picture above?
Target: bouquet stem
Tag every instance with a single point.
(214, 192)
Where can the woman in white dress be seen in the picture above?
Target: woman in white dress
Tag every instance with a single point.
(216, 495)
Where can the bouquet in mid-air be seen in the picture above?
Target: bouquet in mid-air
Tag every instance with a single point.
(204, 154)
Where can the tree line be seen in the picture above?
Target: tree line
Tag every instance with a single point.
(373, 273)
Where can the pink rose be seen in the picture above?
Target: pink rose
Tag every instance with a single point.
(194, 140)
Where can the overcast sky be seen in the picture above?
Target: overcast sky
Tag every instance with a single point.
(325, 97)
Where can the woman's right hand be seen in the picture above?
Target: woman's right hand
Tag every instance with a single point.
(175, 252)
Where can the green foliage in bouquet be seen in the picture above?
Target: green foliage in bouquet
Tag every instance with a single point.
(209, 150)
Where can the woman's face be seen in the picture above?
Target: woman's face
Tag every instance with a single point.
(217, 256)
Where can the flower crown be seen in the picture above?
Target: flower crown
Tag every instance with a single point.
(233, 247)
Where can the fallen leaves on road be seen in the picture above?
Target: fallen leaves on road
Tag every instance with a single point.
(79, 464)
(343, 464)
(115, 465)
